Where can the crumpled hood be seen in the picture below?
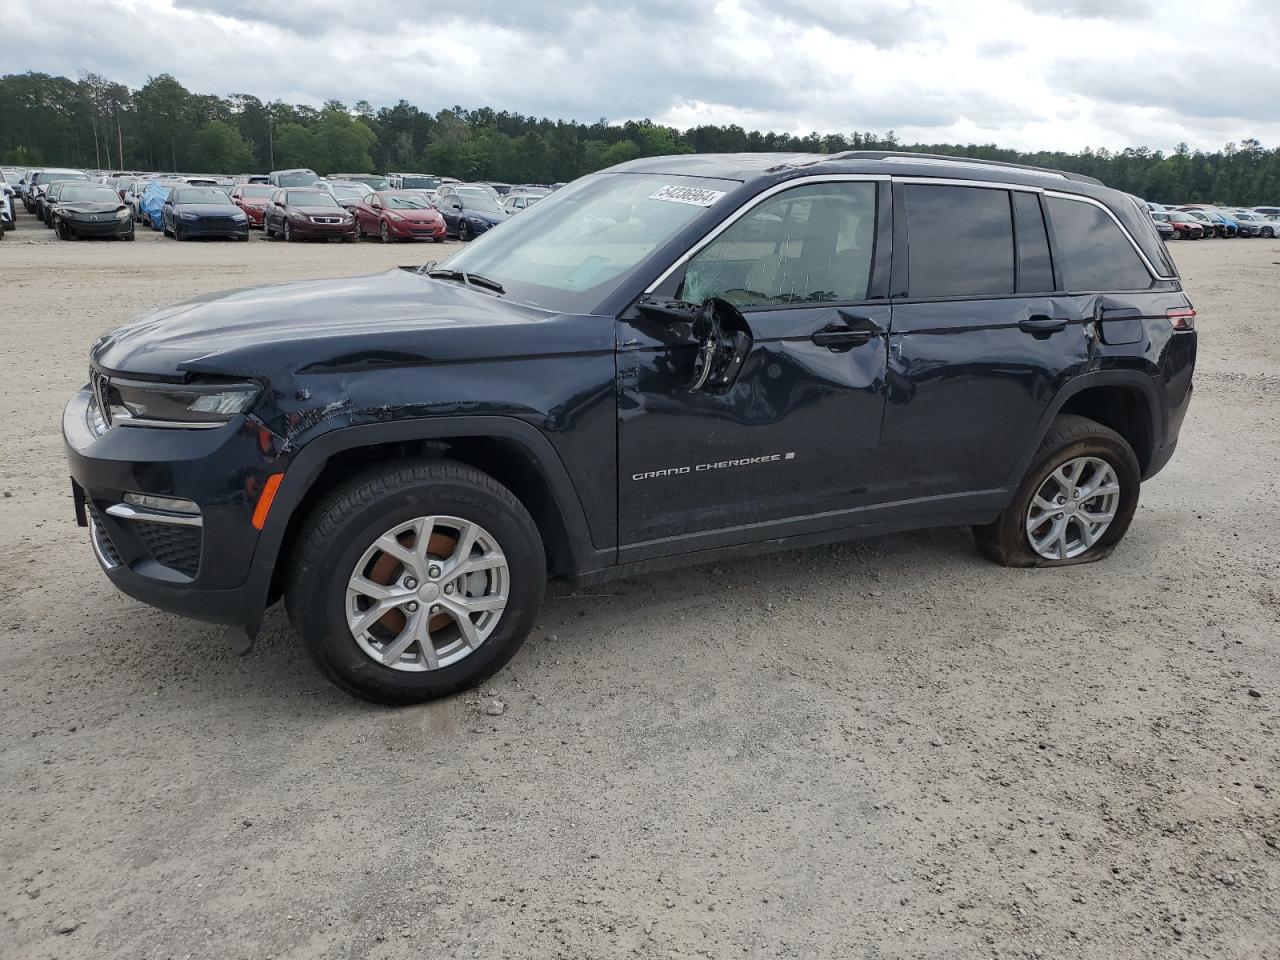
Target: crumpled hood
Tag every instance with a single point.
(316, 326)
(97, 206)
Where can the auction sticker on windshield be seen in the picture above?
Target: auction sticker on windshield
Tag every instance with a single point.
(694, 195)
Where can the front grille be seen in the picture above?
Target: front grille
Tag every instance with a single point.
(326, 219)
(217, 223)
(171, 545)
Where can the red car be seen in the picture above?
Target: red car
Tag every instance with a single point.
(398, 215)
(252, 198)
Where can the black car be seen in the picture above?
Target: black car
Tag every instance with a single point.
(469, 210)
(38, 183)
(90, 210)
(191, 212)
(49, 199)
(675, 360)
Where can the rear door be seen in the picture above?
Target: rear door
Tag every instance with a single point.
(981, 340)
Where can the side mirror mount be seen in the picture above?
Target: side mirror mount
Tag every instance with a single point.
(724, 341)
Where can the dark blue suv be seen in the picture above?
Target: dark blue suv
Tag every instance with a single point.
(675, 360)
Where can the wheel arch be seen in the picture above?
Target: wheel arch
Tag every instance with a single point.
(513, 452)
(1127, 401)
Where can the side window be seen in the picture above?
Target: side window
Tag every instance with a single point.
(811, 244)
(1035, 273)
(959, 241)
(1093, 253)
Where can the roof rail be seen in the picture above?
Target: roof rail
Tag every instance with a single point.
(908, 155)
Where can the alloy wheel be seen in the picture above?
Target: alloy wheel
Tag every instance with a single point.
(427, 593)
(385, 233)
(287, 234)
(1073, 508)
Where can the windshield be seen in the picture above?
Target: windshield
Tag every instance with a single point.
(201, 195)
(353, 193)
(309, 199)
(257, 190)
(373, 180)
(424, 183)
(406, 201)
(572, 251)
(303, 178)
(88, 195)
(1159, 215)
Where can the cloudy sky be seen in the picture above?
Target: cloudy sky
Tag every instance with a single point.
(1022, 73)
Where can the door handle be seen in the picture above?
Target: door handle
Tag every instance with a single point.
(1042, 324)
(834, 337)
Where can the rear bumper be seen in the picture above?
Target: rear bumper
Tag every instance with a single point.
(197, 567)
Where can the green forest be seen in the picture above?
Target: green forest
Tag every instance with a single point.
(97, 123)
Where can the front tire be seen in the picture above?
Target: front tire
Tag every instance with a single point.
(1075, 502)
(384, 232)
(464, 232)
(288, 233)
(390, 564)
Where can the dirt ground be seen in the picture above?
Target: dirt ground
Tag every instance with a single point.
(883, 749)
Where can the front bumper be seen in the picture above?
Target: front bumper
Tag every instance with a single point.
(213, 228)
(407, 230)
(309, 230)
(101, 228)
(204, 570)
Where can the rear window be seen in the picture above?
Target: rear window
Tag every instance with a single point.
(1093, 252)
(959, 241)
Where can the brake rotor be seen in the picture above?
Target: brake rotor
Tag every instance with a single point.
(386, 570)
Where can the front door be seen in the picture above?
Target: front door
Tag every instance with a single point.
(789, 446)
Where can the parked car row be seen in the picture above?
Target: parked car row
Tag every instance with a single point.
(1195, 221)
(294, 204)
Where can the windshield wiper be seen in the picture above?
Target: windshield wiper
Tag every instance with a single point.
(470, 279)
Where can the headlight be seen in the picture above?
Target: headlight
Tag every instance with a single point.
(141, 404)
(188, 216)
(238, 216)
(479, 222)
(393, 215)
(123, 213)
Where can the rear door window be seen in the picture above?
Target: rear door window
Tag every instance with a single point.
(959, 241)
(1092, 251)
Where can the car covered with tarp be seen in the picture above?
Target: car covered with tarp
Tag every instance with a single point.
(152, 202)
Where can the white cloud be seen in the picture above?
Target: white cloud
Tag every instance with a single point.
(1030, 74)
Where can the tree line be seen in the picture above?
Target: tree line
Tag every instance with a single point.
(98, 123)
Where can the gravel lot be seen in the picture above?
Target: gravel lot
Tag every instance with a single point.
(890, 748)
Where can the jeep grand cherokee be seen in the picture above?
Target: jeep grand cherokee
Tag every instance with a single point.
(674, 360)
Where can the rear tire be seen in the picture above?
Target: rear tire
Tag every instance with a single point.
(1070, 439)
(336, 541)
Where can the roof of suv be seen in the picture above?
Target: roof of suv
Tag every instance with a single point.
(749, 166)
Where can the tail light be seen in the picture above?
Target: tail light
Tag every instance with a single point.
(1182, 318)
